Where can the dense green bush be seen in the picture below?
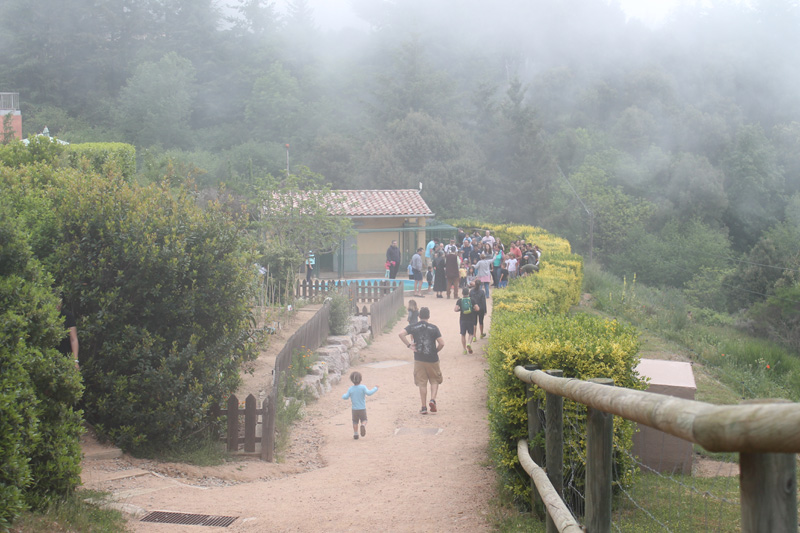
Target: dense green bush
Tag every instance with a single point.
(38, 150)
(104, 158)
(161, 291)
(39, 427)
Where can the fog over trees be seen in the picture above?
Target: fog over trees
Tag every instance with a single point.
(681, 143)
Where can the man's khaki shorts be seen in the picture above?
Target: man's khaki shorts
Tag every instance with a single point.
(425, 372)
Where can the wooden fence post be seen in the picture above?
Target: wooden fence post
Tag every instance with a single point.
(233, 424)
(768, 486)
(599, 445)
(250, 417)
(264, 412)
(268, 431)
(554, 443)
(537, 451)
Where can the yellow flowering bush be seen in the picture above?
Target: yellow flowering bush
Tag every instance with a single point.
(531, 324)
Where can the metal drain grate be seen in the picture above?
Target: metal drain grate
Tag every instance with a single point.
(189, 519)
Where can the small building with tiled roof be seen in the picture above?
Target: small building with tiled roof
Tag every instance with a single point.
(379, 217)
(385, 203)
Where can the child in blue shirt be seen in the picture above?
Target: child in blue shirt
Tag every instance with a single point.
(358, 397)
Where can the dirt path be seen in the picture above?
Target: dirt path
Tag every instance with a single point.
(410, 473)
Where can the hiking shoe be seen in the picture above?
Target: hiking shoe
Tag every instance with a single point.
(363, 430)
(483, 335)
(474, 339)
(469, 348)
(355, 436)
(465, 352)
(423, 411)
(432, 405)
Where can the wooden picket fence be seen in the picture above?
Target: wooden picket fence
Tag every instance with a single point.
(247, 434)
(361, 293)
(382, 311)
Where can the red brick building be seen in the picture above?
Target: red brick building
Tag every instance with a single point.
(9, 107)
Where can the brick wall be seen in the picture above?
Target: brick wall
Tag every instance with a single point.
(16, 124)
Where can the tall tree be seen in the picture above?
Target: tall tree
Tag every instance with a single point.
(696, 189)
(155, 105)
(275, 107)
(412, 85)
(423, 149)
(754, 184)
(61, 52)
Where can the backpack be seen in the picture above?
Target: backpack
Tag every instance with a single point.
(466, 305)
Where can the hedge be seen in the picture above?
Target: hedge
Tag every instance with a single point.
(532, 324)
(104, 158)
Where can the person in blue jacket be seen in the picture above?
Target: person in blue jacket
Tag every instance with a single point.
(358, 397)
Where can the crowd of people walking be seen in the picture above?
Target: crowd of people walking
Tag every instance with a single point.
(449, 267)
(468, 265)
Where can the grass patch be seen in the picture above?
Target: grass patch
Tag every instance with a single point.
(748, 367)
(506, 520)
(206, 452)
(682, 503)
(725, 457)
(81, 511)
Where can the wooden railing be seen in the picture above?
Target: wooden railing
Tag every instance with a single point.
(766, 435)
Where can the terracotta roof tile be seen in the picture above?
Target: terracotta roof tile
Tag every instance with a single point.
(395, 202)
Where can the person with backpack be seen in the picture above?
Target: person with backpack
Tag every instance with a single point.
(467, 313)
(478, 298)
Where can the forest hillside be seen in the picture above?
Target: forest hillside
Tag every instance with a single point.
(670, 152)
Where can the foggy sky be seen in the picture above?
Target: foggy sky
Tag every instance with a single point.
(338, 14)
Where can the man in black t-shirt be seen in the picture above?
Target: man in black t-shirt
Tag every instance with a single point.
(427, 344)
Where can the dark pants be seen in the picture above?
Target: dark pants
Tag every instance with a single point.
(393, 270)
(309, 272)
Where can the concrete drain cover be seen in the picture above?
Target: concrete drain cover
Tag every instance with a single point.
(417, 431)
(189, 519)
(387, 364)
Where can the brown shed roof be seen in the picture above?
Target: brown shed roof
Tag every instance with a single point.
(375, 203)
